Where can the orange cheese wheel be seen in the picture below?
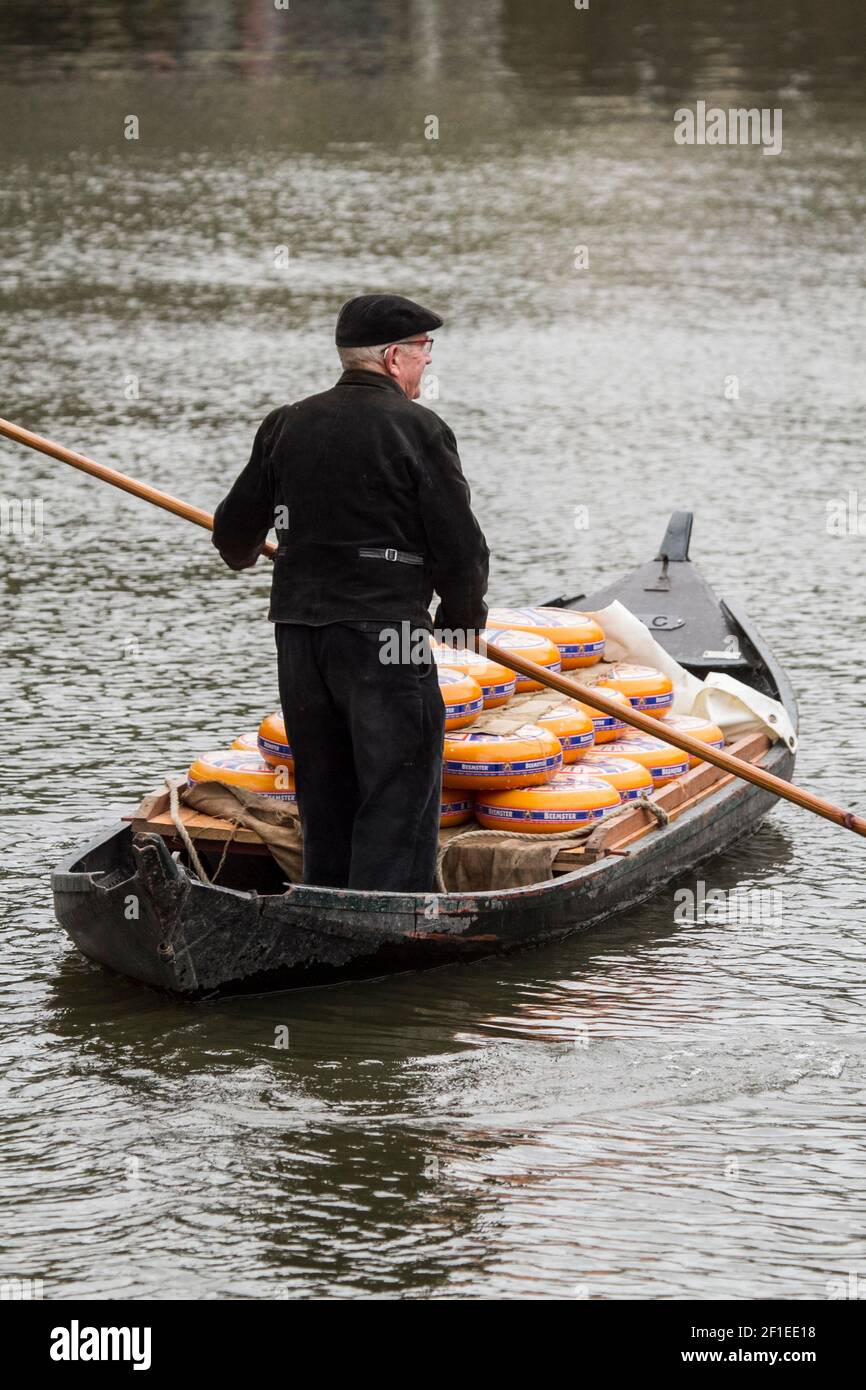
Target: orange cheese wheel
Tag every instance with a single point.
(572, 727)
(571, 800)
(579, 638)
(605, 726)
(698, 728)
(631, 779)
(456, 807)
(247, 743)
(525, 758)
(497, 683)
(246, 770)
(528, 644)
(647, 689)
(462, 695)
(274, 746)
(662, 760)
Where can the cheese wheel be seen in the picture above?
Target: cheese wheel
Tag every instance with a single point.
(497, 683)
(579, 638)
(274, 746)
(662, 760)
(456, 808)
(572, 727)
(647, 689)
(247, 743)
(606, 728)
(246, 770)
(698, 728)
(462, 696)
(631, 779)
(571, 800)
(530, 645)
(527, 757)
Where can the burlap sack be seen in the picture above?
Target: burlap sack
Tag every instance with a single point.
(275, 822)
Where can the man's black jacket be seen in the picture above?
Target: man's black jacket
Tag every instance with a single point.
(359, 469)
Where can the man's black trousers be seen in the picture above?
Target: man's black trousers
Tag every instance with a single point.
(367, 744)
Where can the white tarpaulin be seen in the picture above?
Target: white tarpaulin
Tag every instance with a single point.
(735, 707)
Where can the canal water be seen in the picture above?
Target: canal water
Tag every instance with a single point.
(657, 1109)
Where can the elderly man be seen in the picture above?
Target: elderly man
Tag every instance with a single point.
(372, 513)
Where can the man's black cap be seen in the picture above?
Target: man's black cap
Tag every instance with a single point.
(371, 319)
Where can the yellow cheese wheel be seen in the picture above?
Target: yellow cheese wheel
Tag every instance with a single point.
(462, 695)
(647, 689)
(631, 779)
(663, 761)
(572, 727)
(456, 807)
(571, 800)
(273, 744)
(525, 758)
(246, 770)
(497, 683)
(247, 743)
(579, 638)
(530, 645)
(606, 728)
(698, 728)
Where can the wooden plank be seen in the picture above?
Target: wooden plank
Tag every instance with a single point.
(198, 826)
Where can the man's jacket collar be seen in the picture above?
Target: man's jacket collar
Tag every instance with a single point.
(358, 376)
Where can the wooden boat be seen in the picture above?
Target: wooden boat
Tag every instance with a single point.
(253, 933)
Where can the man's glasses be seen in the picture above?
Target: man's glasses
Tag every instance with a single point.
(425, 344)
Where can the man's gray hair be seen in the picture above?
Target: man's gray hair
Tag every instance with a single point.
(360, 356)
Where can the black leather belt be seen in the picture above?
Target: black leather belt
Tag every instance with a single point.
(402, 556)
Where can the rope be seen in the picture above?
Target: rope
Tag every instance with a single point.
(173, 783)
(656, 810)
(218, 869)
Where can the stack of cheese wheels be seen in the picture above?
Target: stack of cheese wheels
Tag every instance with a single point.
(605, 727)
(462, 695)
(274, 746)
(570, 801)
(247, 743)
(631, 779)
(662, 760)
(578, 637)
(647, 689)
(530, 645)
(476, 760)
(497, 683)
(565, 718)
(702, 729)
(456, 808)
(247, 770)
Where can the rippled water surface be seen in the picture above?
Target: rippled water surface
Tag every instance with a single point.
(659, 1108)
